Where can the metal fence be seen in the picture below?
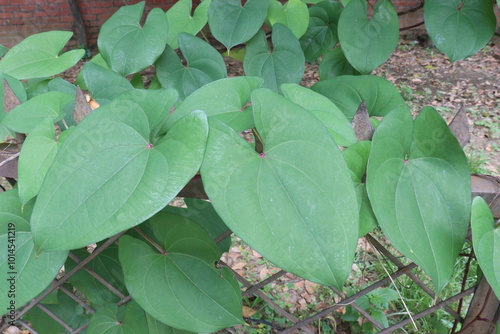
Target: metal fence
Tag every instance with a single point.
(482, 315)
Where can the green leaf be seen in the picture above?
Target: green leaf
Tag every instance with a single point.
(104, 84)
(165, 285)
(204, 65)
(158, 327)
(66, 309)
(136, 177)
(203, 213)
(98, 60)
(180, 20)
(325, 110)
(233, 24)
(335, 64)
(356, 157)
(11, 211)
(25, 117)
(38, 56)
(293, 14)
(321, 34)
(129, 47)
(111, 319)
(459, 28)
(368, 42)
(292, 202)
(419, 186)
(25, 275)
(348, 91)
(18, 89)
(38, 151)
(224, 99)
(106, 265)
(157, 104)
(486, 241)
(283, 64)
(3, 50)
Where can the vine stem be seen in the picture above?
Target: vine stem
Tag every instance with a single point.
(151, 241)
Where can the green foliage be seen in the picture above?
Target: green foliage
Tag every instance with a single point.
(486, 240)
(293, 14)
(38, 56)
(368, 43)
(126, 46)
(185, 263)
(283, 64)
(296, 144)
(180, 20)
(292, 194)
(460, 28)
(203, 65)
(419, 186)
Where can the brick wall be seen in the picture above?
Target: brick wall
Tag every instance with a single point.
(21, 18)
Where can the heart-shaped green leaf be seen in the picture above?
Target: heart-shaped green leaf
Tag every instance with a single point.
(104, 84)
(459, 28)
(125, 45)
(25, 117)
(335, 64)
(180, 20)
(110, 175)
(204, 214)
(283, 64)
(224, 99)
(293, 14)
(419, 186)
(356, 157)
(232, 24)
(368, 42)
(348, 91)
(204, 65)
(293, 202)
(25, 274)
(38, 56)
(165, 284)
(111, 319)
(325, 110)
(486, 241)
(38, 152)
(321, 34)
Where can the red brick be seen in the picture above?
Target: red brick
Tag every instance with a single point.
(96, 10)
(67, 18)
(6, 15)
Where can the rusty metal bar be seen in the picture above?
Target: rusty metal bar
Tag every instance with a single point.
(76, 299)
(57, 283)
(411, 275)
(261, 284)
(55, 317)
(98, 277)
(428, 311)
(28, 327)
(351, 299)
(360, 310)
(275, 306)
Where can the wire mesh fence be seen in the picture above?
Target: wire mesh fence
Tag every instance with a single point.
(484, 312)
